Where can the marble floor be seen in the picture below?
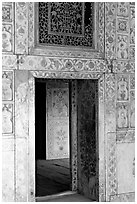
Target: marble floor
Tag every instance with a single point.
(52, 177)
(66, 198)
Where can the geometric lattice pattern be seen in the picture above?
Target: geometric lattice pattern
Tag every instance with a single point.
(66, 23)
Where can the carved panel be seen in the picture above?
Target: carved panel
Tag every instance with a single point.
(7, 43)
(9, 62)
(122, 87)
(132, 109)
(7, 119)
(125, 197)
(122, 115)
(66, 23)
(110, 102)
(111, 164)
(124, 66)
(132, 25)
(110, 34)
(122, 25)
(7, 12)
(101, 27)
(125, 167)
(122, 46)
(126, 136)
(132, 81)
(132, 53)
(7, 85)
(21, 27)
(123, 9)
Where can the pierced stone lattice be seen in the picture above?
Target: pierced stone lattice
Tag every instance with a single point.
(66, 23)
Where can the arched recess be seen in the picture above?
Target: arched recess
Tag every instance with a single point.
(100, 131)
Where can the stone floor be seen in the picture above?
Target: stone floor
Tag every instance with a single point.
(66, 198)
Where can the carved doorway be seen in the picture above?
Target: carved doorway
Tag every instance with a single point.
(68, 127)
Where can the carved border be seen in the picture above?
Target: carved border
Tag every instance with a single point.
(68, 75)
(125, 197)
(54, 51)
(61, 64)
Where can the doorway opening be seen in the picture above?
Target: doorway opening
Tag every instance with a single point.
(66, 113)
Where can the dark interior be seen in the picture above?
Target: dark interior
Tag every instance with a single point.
(52, 176)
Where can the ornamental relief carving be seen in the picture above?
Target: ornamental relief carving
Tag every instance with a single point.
(54, 51)
(122, 87)
(7, 86)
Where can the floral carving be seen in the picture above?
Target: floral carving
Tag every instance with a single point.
(122, 25)
(123, 8)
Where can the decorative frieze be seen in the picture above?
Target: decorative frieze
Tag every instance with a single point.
(60, 64)
(9, 62)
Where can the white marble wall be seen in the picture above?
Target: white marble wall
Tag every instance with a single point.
(119, 120)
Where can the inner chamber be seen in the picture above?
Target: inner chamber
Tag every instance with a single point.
(66, 149)
(52, 137)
